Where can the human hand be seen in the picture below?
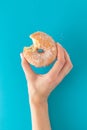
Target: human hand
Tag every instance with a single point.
(40, 86)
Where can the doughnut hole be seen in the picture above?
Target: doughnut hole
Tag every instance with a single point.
(40, 50)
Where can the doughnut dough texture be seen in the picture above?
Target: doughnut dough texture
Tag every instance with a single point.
(40, 41)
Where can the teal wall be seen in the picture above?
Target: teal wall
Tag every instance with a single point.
(66, 21)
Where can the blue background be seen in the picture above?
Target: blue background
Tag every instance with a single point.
(66, 21)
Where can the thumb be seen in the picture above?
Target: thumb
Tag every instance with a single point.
(26, 68)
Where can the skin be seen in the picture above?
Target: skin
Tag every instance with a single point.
(40, 87)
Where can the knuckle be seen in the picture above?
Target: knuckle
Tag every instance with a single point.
(70, 65)
(62, 61)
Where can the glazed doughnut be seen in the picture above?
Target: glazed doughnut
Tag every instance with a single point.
(41, 41)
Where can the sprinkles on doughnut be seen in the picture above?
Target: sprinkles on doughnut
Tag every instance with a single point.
(42, 52)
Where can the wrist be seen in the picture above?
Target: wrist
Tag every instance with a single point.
(38, 103)
(37, 99)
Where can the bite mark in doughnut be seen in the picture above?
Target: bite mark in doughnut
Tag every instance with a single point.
(48, 46)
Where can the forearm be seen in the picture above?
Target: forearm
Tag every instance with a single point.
(39, 116)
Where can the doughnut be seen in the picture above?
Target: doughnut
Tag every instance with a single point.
(42, 52)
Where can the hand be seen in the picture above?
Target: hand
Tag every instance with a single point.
(40, 86)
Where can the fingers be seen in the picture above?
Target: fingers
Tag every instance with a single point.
(66, 69)
(26, 67)
(59, 63)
